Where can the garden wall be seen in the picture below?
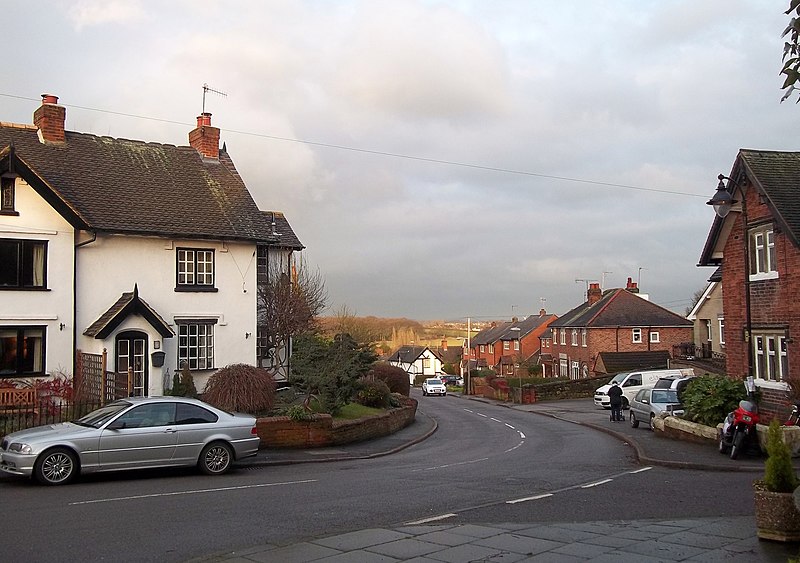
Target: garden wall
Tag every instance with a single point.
(283, 432)
(572, 389)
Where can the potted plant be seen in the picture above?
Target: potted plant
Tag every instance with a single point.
(777, 517)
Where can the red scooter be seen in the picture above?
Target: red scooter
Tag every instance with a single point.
(739, 429)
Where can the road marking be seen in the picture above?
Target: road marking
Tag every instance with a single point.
(640, 470)
(590, 485)
(483, 415)
(451, 465)
(199, 491)
(432, 519)
(496, 420)
(512, 428)
(526, 499)
(521, 435)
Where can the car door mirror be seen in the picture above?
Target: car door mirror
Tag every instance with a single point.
(117, 425)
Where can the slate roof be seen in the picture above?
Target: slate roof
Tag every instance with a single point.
(616, 362)
(409, 354)
(132, 187)
(620, 307)
(503, 331)
(776, 177)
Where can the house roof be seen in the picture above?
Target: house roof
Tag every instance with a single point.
(410, 354)
(616, 362)
(128, 304)
(122, 186)
(775, 176)
(507, 330)
(620, 307)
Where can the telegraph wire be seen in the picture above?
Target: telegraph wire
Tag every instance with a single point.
(381, 153)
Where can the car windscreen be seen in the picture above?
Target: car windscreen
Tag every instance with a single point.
(433, 382)
(619, 377)
(102, 415)
(665, 396)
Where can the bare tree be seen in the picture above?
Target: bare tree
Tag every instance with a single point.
(289, 303)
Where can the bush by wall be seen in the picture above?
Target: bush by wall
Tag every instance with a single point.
(396, 378)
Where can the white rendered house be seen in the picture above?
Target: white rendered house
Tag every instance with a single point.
(146, 251)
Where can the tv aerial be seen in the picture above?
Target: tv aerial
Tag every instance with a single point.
(206, 89)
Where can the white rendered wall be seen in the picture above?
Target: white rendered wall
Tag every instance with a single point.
(37, 220)
(111, 266)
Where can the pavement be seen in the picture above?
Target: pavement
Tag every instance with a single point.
(619, 541)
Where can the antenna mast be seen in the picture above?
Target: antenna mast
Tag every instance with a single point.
(207, 88)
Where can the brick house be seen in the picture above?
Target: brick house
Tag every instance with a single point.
(502, 347)
(619, 321)
(147, 254)
(761, 308)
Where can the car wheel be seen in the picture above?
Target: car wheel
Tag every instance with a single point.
(216, 458)
(56, 467)
(736, 446)
(634, 422)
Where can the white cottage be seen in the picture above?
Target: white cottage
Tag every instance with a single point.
(418, 362)
(150, 252)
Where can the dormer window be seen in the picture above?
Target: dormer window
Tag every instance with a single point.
(7, 196)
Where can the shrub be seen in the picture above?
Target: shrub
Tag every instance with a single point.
(298, 413)
(373, 394)
(183, 384)
(396, 378)
(709, 398)
(239, 387)
(779, 475)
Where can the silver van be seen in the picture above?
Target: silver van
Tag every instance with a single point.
(632, 381)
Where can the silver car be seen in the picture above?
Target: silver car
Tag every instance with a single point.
(133, 433)
(651, 403)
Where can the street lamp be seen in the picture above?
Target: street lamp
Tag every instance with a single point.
(723, 203)
(518, 330)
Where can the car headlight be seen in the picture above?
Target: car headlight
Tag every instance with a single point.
(20, 447)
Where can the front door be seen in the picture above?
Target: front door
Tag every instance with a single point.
(131, 358)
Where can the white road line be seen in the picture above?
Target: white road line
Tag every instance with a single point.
(496, 420)
(483, 415)
(512, 428)
(469, 410)
(526, 499)
(451, 465)
(432, 519)
(590, 485)
(640, 470)
(521, 435)
(199, 491)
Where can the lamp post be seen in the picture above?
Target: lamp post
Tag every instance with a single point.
(518, 330)
(723, 203)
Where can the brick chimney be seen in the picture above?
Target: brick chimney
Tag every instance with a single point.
(49, 118)
(205, 139)
(444, 345)
(594, 293)
(632, 286)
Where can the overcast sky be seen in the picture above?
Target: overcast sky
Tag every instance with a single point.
(440, 159)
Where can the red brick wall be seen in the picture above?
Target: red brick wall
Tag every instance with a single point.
(283, 432)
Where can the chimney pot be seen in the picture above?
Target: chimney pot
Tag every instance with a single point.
(49, 119)
(49, 99)
(205, 138)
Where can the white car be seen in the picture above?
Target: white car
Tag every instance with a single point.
(433, 386)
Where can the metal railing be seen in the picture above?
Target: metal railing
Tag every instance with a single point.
(43, 411)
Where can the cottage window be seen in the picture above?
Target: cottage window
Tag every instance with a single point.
(563, 338)
(574, 340)
(24, 264)
(22, 350)
(564, 368)
(771, 361)
(196, 344)
(709, 335)
(516, 345)
(426, 362)
(583, 337)
(576, 370)
(762, 253)
(655, 337)
(636, 336)
(506, 345)
(195, 270)
(483, 348)
(721, 322)
(7, 196)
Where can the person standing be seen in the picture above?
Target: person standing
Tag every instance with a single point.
(615, 396)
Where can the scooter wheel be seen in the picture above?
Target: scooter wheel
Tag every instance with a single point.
(736, 447)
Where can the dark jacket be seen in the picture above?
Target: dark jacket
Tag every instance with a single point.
(615, 395)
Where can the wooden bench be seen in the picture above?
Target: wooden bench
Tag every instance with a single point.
(13, 400)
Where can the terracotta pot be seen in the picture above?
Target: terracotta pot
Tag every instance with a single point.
(777, 517)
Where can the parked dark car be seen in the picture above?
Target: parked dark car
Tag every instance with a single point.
(452, 380)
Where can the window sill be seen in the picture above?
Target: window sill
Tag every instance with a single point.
(195, 289)
(15, 288)
(10, 213)
(763, 276)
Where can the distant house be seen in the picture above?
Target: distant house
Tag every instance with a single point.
(504, 346)
(418, 362)
(709, 321)
(618, 321)
(757, 247)
(146, 254)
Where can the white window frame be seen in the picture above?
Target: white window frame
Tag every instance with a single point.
(574, 339)
(563, 337)
(583, 337)
(196, 344)
(483, 348)
(576, 370)
(721, 324)
(506, 345)
(655, 337)
(516, 345)
(762, 260)
(770, 356)
(564, 367)
(195, 268)
(709, 331)
(636, 336)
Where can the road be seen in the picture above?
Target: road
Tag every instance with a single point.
(484, 464)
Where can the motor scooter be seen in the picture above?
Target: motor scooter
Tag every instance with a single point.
(739, 427)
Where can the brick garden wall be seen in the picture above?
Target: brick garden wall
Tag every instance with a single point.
(283, 432)
(574, 389)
